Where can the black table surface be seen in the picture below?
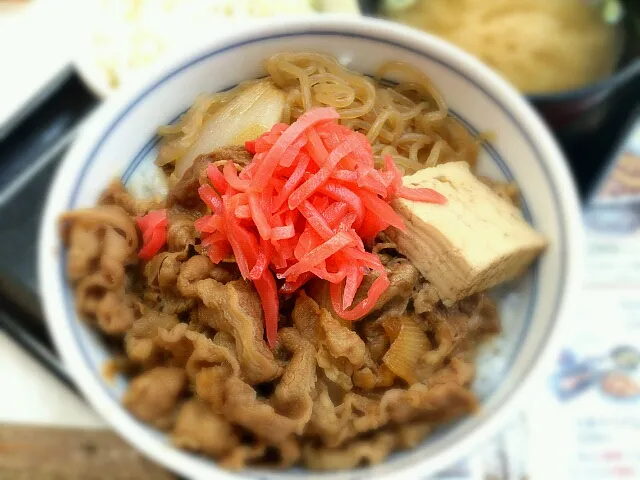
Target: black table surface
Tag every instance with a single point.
(31, 152)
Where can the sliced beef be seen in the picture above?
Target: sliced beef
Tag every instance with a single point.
(185, 192)
(153, 396)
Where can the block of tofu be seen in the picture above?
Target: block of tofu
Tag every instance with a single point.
(475, 241)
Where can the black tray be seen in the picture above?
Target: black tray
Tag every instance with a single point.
(29, 155)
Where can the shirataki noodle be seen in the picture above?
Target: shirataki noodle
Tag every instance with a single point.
(408, 120)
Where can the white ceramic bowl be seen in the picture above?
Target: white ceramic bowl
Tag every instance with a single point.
(121, 141)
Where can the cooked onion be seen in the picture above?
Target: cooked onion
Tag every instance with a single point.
(246, 116)
(407, 348)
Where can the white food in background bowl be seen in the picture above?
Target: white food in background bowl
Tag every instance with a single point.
(118, 40)
(120, 141)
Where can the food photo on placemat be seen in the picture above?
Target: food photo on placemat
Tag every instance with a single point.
(306, 238)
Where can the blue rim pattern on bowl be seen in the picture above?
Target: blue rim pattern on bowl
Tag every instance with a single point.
(396, 460)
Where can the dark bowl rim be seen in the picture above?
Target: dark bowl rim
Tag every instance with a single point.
(611, 82)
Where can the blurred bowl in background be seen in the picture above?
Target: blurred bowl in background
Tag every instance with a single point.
(120, 40)
(585, 110)
(570, 113)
